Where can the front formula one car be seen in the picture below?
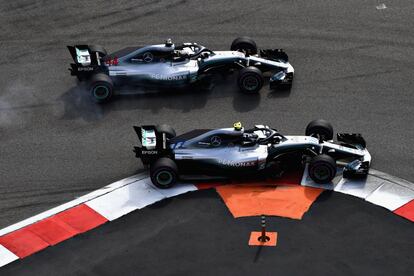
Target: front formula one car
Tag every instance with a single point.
(260, 151)
(167, 65)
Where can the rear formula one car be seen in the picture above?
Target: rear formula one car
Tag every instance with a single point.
(168, 65)
(260, 151)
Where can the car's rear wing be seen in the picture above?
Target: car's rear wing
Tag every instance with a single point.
(153, 144)
(87, 61)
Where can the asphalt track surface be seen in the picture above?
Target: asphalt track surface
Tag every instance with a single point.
(354, 65)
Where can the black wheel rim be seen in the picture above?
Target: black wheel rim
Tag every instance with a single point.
(100, 92)
(164, 178)
(250, 83)
(322, 173)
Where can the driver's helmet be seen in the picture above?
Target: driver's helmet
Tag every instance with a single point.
(237, 126)
(168, 43)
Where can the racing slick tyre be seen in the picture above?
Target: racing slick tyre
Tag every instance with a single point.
(99, 49)
(244, 44)
(169, 131)
(164, 173)
(322, 169)
(101, 88)
(320, 128)
(250, 80)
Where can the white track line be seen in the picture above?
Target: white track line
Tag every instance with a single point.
(111, 201)
(70, 204)
(370, 189)
(134, 196)
(378, 188)
(391, 196)
(393, 179)
(6, 256)
(361, 188)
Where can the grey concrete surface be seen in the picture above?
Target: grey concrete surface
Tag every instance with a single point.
(354, 67)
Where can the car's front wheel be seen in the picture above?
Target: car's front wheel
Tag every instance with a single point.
(322, 169)
(164, 173)
(250, 80)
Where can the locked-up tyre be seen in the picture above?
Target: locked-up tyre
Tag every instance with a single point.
(164, 173)
(101, 88)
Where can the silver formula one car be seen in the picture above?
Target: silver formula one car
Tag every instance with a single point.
(169, 65)
(260, 151)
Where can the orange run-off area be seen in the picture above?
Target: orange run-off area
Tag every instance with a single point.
(290, 201)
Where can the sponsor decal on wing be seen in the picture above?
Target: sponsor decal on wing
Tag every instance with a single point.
(149, 152)
(85, 69)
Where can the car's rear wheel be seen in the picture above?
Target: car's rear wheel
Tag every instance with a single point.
(101, 88)
(98, 49)
(250, 80)
(321, 129)
(164, 173)
(322, 169)
(168, 130)
(244, 44)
